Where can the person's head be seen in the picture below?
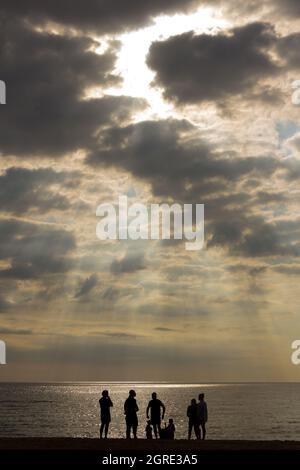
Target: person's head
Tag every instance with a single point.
(132, 393)
(201, 396)
(105, 393)
(171, 421)
(154, 395)
(193, 401)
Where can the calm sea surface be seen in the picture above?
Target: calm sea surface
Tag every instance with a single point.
(236, 411)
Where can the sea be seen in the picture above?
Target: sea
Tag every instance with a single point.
(256, 411)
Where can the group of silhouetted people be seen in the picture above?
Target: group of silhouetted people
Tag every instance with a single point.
(198, 416)
(196, 412)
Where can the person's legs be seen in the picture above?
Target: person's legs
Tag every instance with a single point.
(198, 425)
(155, 429)
(202, 424)
(196, 430)
(128, 429)
(106, 430)
(134, 429)
(190, 430)
(101, 429)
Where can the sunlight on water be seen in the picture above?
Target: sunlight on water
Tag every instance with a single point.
(236, 411)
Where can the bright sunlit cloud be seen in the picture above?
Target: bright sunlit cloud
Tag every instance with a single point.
(131, 64)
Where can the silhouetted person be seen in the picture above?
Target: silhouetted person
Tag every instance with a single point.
(105, 405)
(154, 406)
(170, 429)
(202, 415)
(148, 430)
(130, 410)
(192, 413)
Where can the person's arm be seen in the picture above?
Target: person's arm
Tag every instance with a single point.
(205, 412)
(125, 407)
(163, 410)
(147, 411)
(110, 403)
(136, 407)
(188, 412)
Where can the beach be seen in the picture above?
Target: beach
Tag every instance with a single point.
(142, 445)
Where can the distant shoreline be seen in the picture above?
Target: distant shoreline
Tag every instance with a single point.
(142, 445)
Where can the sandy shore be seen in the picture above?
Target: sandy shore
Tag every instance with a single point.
(142, 445)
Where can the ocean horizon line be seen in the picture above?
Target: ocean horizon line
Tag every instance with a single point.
(145, 382)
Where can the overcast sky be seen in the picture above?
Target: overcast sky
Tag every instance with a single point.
(159, 100)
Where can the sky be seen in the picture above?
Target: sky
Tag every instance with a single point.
(186, 101)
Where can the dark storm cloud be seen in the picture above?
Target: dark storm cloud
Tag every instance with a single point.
(281, 236)
(128, 264)
(161, 153)
(87, 285)
(46, 76)
(178, 164)
(101, 16)
(254, 237)
(33, 250)
(193, 68)
(22, 189)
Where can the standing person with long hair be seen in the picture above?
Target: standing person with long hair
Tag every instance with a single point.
(105, 405)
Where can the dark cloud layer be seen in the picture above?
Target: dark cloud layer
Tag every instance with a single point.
(100, 16)
(22, 189)
(252, 236)
(32, 250)
(167, 155)
(47, 75)
(161, 153)
(194, 68)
